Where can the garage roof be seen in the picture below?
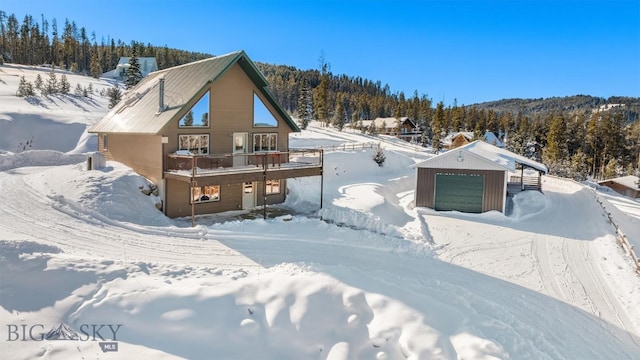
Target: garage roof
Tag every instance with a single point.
(479, 155)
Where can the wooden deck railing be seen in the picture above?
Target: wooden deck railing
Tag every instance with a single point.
(260, 160)
(526, 182)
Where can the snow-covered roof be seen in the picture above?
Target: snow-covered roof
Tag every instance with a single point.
(504, 159)
(489, 137)
(629, 181)
(388, 122)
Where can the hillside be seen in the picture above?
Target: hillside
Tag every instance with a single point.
(629, 106)
(368, 276)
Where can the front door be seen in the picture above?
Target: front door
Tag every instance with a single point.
(248, 195)
(239, 148)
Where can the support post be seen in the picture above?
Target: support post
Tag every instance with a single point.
(521, 177)
(192, 183)
(321, 176)
(265, 164)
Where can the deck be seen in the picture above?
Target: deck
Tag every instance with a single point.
(229, 168)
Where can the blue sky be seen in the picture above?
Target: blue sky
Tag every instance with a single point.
(472, 51)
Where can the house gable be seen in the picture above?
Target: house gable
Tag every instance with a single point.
(138, 112)
(461, 158)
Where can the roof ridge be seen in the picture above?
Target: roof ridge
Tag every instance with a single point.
(218, 57)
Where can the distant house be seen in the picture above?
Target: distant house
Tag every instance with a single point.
(626, 185)
(209, 134)
(475, 177)
(147, 66)
(457, 139)
(403, 128)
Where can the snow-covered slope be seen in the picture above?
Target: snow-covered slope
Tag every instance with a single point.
(367, 277)
(54, 122)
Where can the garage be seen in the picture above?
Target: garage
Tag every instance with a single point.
(461, 192)
(472, 178)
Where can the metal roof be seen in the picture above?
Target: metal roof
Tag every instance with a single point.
(490, 158)
(137, 112)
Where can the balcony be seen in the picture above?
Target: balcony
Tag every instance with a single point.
(230, 168)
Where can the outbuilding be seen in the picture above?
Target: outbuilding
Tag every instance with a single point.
(626, 185)
(475, 178)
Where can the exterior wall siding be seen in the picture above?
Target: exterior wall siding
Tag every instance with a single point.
(178, 198)
(622, 189)
(139, 152)
(493, 194)
(231, 110)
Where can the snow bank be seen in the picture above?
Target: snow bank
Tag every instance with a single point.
(113, 192)
(527, 204)
(9, 160)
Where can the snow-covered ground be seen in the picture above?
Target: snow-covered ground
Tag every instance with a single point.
(367, 277)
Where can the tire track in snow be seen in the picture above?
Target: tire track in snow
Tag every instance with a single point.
(54, 220)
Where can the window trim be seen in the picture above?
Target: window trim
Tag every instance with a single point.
(269, 135)
(270, 185)
(105, 142)
(203, 192)
(197, 135)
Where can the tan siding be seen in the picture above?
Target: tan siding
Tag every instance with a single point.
(179, 205)
(231, 110)
(493, 195)
(178, 200)
(273, 198)
(139, 152)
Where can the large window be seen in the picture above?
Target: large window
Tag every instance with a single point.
(265, 142)
(201, 194)
(198, 115)
(273, 187)
(261, 115)
(196, 144)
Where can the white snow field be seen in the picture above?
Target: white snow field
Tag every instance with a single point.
(88, 265)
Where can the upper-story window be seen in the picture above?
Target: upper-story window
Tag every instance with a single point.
(196, 144)
(262, 117)
(198, 115)
(265, 142)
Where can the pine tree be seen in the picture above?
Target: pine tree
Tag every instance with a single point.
(78, 90)
(339, 114)
(205, 119)
(188, 119)
(611, 170)
(321, 94)
(95, 67)
(38, 82)
(52, 83)
(437, 124)
(379, 157)
(579, 166)
(133, 74)
(25, 88)
(305, 105)
(115, 95)
(64, 86)
(556, 148)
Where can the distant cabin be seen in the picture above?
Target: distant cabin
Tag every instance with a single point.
(626, 185)
(456, 139)
(147, 65)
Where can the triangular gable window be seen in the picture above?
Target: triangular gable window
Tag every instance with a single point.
(198, 115)
(261, 115)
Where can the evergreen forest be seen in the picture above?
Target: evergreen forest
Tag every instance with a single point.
(576, 136)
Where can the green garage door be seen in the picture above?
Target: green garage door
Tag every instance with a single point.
(459, 192)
